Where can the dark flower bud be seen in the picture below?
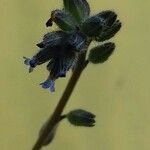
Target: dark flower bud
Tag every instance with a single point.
(110, 25)
(79, 9)
(108, 16)
(81, 117)
(109, 33)
(101, 53)
(111, 19)
(63, 19)
(102, 26)
(92, 27)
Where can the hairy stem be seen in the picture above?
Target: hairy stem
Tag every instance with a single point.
(54, 119)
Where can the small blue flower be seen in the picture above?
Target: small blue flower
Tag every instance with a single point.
(30, 62)
(60, 51)
(49, 83)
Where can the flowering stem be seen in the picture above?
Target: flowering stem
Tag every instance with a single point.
(54, 119)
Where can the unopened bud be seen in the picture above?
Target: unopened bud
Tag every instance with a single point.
(81, 117)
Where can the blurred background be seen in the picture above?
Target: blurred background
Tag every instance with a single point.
(118, 92)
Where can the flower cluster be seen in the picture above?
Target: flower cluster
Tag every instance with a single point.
(61, 48)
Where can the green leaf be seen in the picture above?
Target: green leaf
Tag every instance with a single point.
(101, 53)
(79, 9)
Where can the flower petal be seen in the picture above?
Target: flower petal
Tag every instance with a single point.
(49, 83)
(54, 38)
(30, 62)
(109, 33)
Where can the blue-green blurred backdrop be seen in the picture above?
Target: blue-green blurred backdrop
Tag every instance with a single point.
(118, 92)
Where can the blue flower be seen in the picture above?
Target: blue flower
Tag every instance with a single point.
(49, 83)
(60, 51)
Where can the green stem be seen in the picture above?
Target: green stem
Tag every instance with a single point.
(54, 119)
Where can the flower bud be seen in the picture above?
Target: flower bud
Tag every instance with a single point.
(92, 27)
(109, 33)
(79, 9)
(108, 17)
(110, 26)
(63, 19)
(81, 117)
(102, 26)
(101, 53)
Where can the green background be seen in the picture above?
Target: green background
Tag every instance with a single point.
(118, 92)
